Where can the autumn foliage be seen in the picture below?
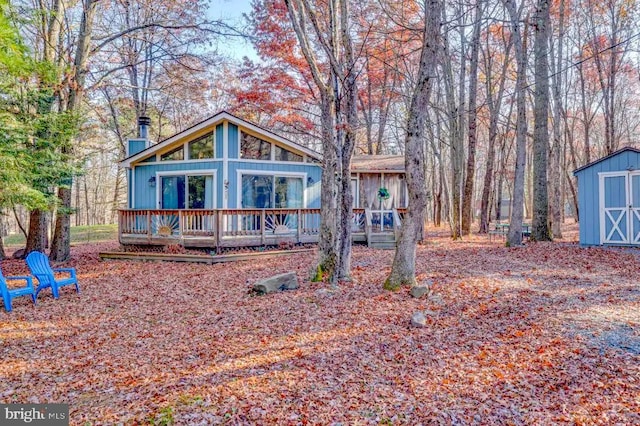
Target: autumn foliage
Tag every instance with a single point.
(546, 334)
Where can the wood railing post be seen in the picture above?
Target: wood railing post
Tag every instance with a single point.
(120, 226)
(299, 230)
(263, 225)
(367, 225)
(219, 228)
(149, 225)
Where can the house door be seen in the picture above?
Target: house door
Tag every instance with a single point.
(620, 208)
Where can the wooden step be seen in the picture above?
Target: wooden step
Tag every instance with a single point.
(383, 245)
(382, 237)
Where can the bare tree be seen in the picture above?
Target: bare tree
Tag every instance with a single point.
(403, 268)
(514, 237)
(467, 196)
(335, 79)
(540, 225)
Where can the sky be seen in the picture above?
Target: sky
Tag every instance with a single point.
(231, 11)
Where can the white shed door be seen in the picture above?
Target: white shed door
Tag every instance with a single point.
(620, 208)
(614, 208)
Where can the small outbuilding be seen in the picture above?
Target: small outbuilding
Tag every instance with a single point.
(609, 199)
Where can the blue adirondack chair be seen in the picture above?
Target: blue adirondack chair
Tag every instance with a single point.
(38, 263)
(8, 294)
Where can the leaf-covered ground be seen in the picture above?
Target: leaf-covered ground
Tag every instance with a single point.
(544, 334)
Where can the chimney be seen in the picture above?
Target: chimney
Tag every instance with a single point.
(143, 127)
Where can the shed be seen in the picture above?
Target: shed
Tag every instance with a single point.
(609, 199)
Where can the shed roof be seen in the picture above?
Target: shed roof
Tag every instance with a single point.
(378, 163)
(599, 160)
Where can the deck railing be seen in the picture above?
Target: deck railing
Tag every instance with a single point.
(213, 228)
(229, 227)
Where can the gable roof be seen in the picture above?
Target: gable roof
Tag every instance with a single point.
(214, 119)
(377, 163)
(599, 160)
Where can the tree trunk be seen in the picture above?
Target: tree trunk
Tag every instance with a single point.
(555, 175)
(404, 262)
(514, 237)
(37, 239)
(540, 225)
(328, 241)
(467, 197)
(2, 253)
(61, 246)
(349, 96)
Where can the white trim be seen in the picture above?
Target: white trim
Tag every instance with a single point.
(132, 177)
(205, 160)
(221, 116)
(613, 174)
(240, 172)
(356, 196)
(285, 163)
(604, 212)
(225, 163)
(187, 173)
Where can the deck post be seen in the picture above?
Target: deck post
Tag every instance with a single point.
(218, 228)
(263, 221)
(299, 229)
(180, 227)
(120, 215)
(149, 225)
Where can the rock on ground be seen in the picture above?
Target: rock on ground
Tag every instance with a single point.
(287, 281)
(418, 320)
(419, 291)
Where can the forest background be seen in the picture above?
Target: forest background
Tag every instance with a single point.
(77, 74)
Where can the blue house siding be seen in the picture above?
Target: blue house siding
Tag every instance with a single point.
(589, 192)
(219, 140)
(145, 196)
(135, 146)
(233, 141)
(312, 171)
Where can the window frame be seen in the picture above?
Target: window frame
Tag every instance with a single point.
(273, 175)
(186, 174)
(212, 135)
(172, 151)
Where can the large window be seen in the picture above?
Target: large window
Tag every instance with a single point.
(176, 154)
(266, 192)
(186, 191)
(254, 148)
(202, 147)
(284, 155)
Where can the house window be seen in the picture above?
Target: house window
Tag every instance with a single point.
(266, 192)
(202, 147)
(254, 148)
(186, 191)
(175, 154)
(284, 155)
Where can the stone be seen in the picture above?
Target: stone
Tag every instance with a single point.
(287, 281)
(419, 291)
(418, 320)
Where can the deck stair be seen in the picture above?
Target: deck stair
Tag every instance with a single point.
(382, 240)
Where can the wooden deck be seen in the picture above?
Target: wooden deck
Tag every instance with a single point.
(241, 227)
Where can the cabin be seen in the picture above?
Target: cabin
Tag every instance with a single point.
(609, 199)
(226, 182)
